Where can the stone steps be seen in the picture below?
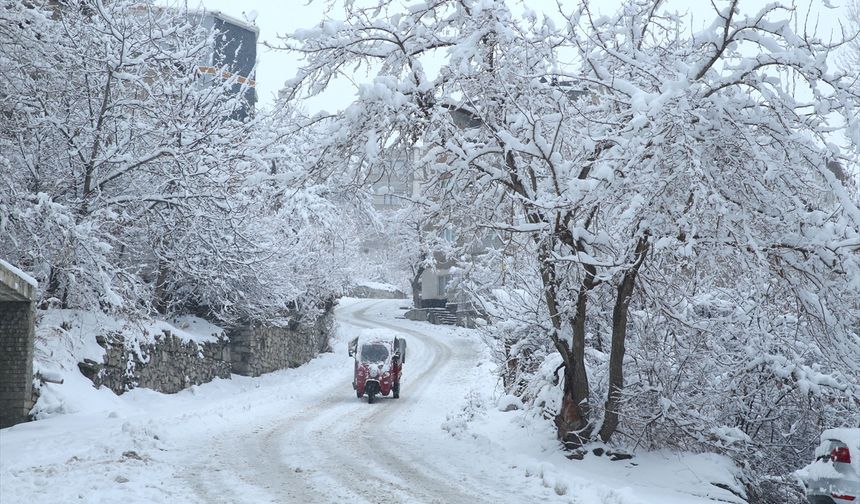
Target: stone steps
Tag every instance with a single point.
(441, 316)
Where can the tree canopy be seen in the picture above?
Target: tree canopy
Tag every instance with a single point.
(662, 190)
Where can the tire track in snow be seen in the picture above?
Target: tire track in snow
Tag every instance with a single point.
(443, 359)
(372, 467)
(335, 449)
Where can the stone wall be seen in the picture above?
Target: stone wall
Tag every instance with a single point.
(259, 349)
(167, 365)
(16, 361)
(171, 364)
(365, 292)
(445, 316)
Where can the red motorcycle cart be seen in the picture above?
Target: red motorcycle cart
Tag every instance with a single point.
(379, 363)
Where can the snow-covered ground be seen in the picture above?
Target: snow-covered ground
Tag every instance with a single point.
(301, 435)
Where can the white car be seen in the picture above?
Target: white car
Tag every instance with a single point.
(834, 476)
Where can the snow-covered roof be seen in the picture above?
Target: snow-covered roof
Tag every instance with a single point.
(226, 17)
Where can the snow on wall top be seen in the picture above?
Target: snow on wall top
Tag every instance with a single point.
(191, 328)
(66, 337)
(25, 277)
(376, 285)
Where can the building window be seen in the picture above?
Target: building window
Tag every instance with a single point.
(442, 285)
(448, 234)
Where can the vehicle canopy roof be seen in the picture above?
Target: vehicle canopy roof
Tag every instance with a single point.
(389, 338)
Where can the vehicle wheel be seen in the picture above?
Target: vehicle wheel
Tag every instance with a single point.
(370, 398)
(396, 390)
(358, 394)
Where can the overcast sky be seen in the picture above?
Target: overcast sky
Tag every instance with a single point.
(279, 17)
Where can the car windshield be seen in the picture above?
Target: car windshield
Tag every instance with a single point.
(374, 352)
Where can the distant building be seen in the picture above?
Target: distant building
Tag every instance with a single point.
(391, 189)
(233, 53)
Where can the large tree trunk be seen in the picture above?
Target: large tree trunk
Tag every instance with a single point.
(573, 420)
(55, 290)
(415, 283)
(573, 427)
(619, 335)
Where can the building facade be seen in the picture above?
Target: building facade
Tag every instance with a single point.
(233, 55)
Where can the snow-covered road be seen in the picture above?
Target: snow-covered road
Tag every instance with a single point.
(301, 435)
(340, 449)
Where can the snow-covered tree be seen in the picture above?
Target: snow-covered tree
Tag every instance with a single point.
(407, 245)
(128, 184)
(113, 144)
(641, 170)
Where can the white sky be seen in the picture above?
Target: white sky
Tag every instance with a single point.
(279, 17)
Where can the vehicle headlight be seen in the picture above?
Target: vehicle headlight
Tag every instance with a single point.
(374, 372)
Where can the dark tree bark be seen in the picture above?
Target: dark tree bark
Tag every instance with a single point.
(415, 283)
(619, 335)
(160, 295)
(573, 420)
(55, 290)
(573, 427)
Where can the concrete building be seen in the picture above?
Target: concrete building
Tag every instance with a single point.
(233, 54)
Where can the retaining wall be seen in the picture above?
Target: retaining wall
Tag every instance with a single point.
(258, 349)
(167, 365)
(363, 291)
(16, 361)
(171, 364)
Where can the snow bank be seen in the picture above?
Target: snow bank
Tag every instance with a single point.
(191, 328)
(65, 338)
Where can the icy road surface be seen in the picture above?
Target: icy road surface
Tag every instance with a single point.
(301, 435)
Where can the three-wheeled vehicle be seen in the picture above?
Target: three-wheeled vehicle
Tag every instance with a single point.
(379, 359)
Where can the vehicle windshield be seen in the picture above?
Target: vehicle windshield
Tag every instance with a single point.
(374, 352)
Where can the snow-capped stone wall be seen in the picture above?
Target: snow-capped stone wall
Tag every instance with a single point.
(260, 349)
(376, 290)
(169, 364)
